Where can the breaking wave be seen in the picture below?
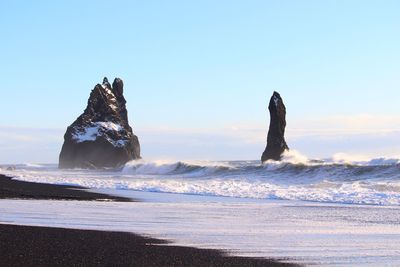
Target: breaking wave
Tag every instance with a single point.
(339, 179)
(180, 167)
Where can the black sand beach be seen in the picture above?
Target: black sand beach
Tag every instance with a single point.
(25, 190)
(44, 246)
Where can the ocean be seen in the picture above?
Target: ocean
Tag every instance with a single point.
(328, 212)
(373, 182)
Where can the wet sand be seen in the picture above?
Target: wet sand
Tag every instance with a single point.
(42, 246)
(25, 190)
(45, 246)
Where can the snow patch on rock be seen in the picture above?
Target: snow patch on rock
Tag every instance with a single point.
(98, 129)
(276, 100)
(110, 126)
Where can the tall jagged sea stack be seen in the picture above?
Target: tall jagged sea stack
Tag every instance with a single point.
(276, 143)
(101, 137)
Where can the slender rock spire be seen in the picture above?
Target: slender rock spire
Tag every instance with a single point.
(276, 143)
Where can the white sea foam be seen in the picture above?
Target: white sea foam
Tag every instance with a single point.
(343, 158)
(144, 167)
(295, 157)
(288, 157)
(341, 179)
(375, 181)
(33, 165)
(169, 167)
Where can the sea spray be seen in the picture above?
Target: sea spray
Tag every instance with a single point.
(370, 181)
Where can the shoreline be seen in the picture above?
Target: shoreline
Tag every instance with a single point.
(16, 189)
(45, 246)
(22, 245)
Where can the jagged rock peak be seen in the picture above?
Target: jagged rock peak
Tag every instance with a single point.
(106, 83)
(118, 87)
(276, 97)
(101, 136)
(276, 143)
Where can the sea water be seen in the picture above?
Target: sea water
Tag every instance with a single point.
(325, 212)
(373, 182)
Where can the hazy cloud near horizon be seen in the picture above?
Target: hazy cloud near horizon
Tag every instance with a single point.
(362, 135)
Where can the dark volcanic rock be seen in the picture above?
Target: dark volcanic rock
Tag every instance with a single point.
(101, 136)
(276, 143)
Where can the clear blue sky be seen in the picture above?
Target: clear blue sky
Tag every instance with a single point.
(202, 66)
